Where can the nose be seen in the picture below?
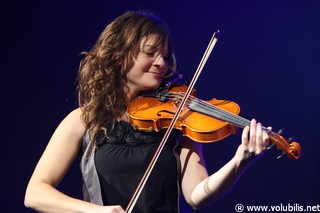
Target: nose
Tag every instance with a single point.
(160, 62)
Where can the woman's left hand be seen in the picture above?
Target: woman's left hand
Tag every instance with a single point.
(254, 141)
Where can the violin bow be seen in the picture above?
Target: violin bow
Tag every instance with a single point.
(155, 157)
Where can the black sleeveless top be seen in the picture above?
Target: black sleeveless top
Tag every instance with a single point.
(121, 160)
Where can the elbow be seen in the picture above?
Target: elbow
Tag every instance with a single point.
(194, 204)
(28, 199)
(199, 203)
(31, 197)
(27, 203)
(196, 207)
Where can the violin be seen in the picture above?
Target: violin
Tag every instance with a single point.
(202, 121)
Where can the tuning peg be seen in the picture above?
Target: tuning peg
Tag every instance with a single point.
(290, 139)
(270, 147)
(281, 132)
(280, 156)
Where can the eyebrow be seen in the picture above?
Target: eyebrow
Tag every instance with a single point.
(158, 48)
(151, 46)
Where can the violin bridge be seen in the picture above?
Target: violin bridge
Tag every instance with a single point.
(161, 97)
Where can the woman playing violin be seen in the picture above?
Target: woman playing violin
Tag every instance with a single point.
(132, 54)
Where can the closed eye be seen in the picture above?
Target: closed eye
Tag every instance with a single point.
(150, 54)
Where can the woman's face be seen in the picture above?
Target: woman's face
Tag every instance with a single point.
(149, 66)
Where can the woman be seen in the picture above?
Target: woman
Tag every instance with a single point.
(133, 54)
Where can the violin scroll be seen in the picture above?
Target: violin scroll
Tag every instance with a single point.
(288, 147)
(294, 150)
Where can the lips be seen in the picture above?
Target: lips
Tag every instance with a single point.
(156, 73)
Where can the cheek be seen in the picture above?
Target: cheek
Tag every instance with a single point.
(136, 72)
(145, 64)
(132, 74)
(142, 64)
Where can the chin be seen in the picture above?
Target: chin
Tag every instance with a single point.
(152, 86)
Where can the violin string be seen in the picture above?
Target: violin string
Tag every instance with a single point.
(220, 113)
(234, 119)
(228, 116)
(238, 120)
(223, 114)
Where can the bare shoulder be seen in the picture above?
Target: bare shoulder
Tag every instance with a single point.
(75, 115)
(74, 118)
(71, 127)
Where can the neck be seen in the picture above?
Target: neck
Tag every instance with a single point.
(131, 95)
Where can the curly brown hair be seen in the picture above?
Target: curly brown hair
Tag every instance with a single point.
(102, 73)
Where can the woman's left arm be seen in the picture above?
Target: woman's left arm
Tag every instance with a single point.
(198, 188)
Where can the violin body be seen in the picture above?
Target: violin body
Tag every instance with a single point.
(152, 114)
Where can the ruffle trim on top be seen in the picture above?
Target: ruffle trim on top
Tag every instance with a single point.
(125, 134)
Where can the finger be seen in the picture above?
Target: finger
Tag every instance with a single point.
(118, 208)
(266, 139)
(252, 140)
(259, 138)
(245, 133)
(269, 128)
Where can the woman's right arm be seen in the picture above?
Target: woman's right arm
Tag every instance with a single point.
(41, 194)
